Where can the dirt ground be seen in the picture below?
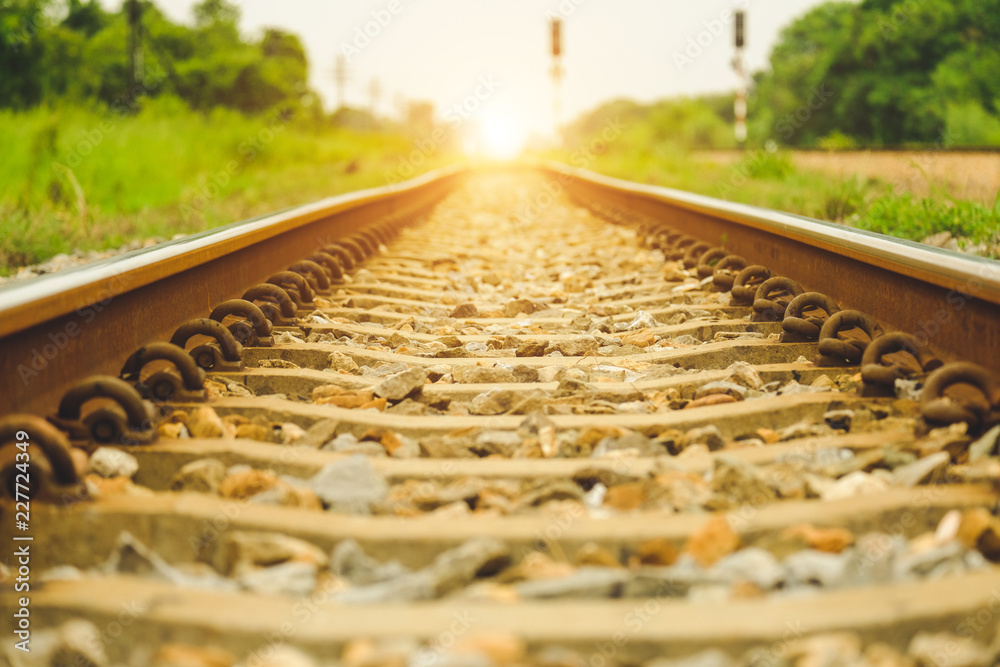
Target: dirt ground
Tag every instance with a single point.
(973, 176)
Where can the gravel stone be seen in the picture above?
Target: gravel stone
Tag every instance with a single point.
(294, 578)
(79, 642)
(110, 462)
(240, 552)
(752, 564)
(710, 436)
(351, 485)
(816, 568)
(350, 562)
(921, 471)
(480, 375)
(585, 582)
(205, 423)
(741, 482)
(503, 443)
(399, 386)
(201, 476)
(465, 310)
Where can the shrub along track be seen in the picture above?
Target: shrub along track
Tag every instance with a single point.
(482, 425)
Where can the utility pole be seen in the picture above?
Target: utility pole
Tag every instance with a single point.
(740, 106)
(557, 75)
(375, 94)
(136, 76)
(340, 75)
(399, 101)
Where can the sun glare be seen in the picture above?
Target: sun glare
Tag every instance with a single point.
(502, 136)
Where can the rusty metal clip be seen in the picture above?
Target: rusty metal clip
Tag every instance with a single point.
(694, 253)
(975, 397)
(905, 356)
(676, 251)
(655, 235)
(314, 273)
(708, 260)
(366, 241)
(328, 262)
(356, 249)
(254, 329)
(387, 230)
(56, 469)
(662, 237)
(273, 302)
(377, 234)
(129, 422)
(371, 237)
(835, 351)
(724, 275)
(773, 297)
(295, 285)
(342, 254)
(746, 283)
(183, 383)
(225, 355)
(799, 329)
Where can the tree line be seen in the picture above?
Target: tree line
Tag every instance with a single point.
(873, 73)
(75, 51)
(879, 73)
(884, 73)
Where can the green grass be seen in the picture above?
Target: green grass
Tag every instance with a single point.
(768, 179)
(73, 178)
(81, 179)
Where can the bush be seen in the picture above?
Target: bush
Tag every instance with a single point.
(837, 141)
(970, 125)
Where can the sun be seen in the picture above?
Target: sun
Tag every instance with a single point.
(502, 135)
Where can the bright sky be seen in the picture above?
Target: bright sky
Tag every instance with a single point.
(442, 50)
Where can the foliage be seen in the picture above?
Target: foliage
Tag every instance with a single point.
(910, 217)
(837, 141)
(884, 73)
(969, 124)
(74, 178)
(691, 123)
(74, 51)
(762, 178)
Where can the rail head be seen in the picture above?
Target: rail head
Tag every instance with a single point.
(965, 274)
(38, 300)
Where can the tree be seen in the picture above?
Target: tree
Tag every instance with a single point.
(894, 70)
(86, 18)
(82, 57)
(24, 80)
(216, 12)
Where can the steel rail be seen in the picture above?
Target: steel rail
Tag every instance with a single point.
(950, 301)
(58, 328)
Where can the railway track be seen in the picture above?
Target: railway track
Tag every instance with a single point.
(506, 417)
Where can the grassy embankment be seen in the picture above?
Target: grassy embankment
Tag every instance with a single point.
(769, 179)
(79, 179)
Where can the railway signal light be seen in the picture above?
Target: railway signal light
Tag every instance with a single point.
(557, 73)
(740, 105)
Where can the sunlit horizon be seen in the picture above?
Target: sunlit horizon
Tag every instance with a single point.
(439, 50)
